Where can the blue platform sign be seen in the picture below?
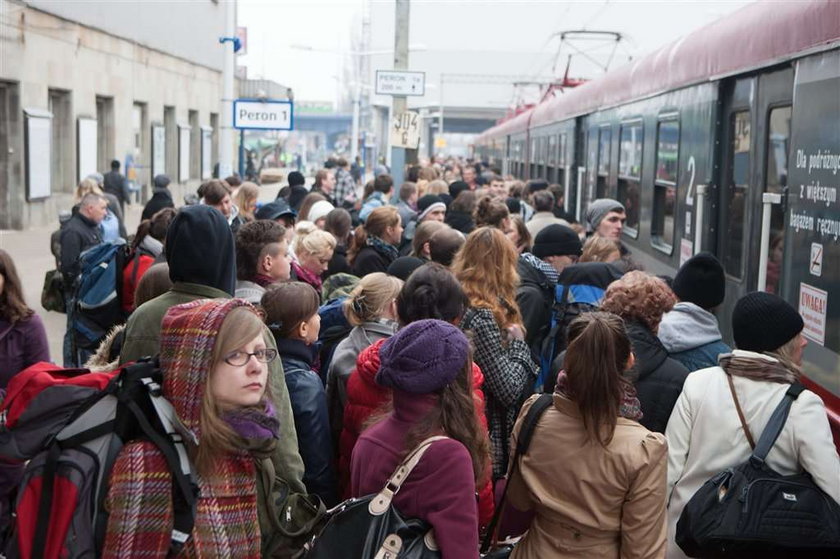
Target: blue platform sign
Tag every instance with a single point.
(257, 114)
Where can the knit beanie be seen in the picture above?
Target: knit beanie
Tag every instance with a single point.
(598, 209)
(161, 181)
(319, 209)
(423, 357)
(701, 281)
(427, 204)
(764, 322)
(556, 240)
(403, 266)
(296, 178)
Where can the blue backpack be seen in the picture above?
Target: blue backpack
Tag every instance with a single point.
(97, 299)
(580, 289)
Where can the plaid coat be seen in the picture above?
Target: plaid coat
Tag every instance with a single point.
(509, 374)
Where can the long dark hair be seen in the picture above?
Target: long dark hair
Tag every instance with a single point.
(12, 304)
(596, 357)
(455, 415)
(432, 291)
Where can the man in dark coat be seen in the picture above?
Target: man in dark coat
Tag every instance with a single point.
(114, 183)
(161, 197)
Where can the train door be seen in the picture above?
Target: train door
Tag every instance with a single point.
(754, 131)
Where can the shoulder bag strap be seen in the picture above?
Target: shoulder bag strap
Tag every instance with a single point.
(382, 500)
(743, 420)
(774, 426)
(523, 441)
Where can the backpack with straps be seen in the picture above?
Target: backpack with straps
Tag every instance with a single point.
(753, 511)
(70, 425)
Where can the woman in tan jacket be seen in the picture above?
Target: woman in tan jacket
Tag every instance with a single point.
(594, 477)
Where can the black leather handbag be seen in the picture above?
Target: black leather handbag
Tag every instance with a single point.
(371, 528)
(752, 511)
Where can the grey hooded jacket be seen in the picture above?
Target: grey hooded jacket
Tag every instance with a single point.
(692, 336)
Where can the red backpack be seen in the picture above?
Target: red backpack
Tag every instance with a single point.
(70, 424)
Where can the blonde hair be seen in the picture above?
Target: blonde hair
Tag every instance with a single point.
(247, 192)
(437, 186)
(311, 240)
(599, 249)
(240, 326)
(87, 186)
(785, 355)
(371, 297)
(486, 268)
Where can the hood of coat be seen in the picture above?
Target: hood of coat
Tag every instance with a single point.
(367, 365)
(296, 351)
(162, 194)
(534, 271)
(598, 274)
(648, 350)
(187, 337)
(687, 326)
(199, 249)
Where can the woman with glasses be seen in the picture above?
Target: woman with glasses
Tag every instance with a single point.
(291, 312)
(214, 359)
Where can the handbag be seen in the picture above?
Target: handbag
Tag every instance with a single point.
(370, 527)
(507, 520)
(291, 519)
(752, 511)
(52, 294)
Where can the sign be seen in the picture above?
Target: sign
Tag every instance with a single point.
(815, 264)
(184, 140)
(242, 34)
(686, 250)
(86, 146)
(254, 114)
(38, 140)
(813, 304)
(405, 130)
(158, 150)
(393, 82)
(440, 142)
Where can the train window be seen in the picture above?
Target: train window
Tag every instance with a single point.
(665, 185)
(630, 173)
(561, 161)
(736, 192)
(532, 159)
(551, 174)
(604, 138)
(776, 173)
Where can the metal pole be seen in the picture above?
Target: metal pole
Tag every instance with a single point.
(768, 199)
(579, 193)
(698, 225)
(226, 133)
(399, 103)
(354, 133)
(242, 153)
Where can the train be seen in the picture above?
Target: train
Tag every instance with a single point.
(726, 140)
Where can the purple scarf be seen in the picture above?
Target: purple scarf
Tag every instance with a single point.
(253, 425)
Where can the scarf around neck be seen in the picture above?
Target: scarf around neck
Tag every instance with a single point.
(630, 407)
(382, 247)
(306, 276)
(258, 430)
(263, 280)
(757, 366)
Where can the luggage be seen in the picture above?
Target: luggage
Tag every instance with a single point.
(371, 528)
(752, 511)
(70, 424)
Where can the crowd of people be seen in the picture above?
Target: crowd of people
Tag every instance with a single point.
(321, 337)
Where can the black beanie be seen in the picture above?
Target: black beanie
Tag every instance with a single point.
(556, 240)
(764, 322)
(457, 187)
(403, 266)
(701, 281)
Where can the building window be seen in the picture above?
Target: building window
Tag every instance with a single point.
(63, 158)
(630, 174)
(105, 151)
(737, 183)
(604, 138)
(665, 185)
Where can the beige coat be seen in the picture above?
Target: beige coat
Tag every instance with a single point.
(590, 501)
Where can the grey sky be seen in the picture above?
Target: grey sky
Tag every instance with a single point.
(454, 27)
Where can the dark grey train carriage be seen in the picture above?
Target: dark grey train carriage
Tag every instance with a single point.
(727, 140)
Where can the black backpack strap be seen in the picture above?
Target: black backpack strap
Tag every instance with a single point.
(775, 425)
(523, 441)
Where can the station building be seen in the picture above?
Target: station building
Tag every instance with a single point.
(83, 83)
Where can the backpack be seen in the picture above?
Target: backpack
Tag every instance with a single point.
(752, 511)
(97, 298)
(70, 424)
(580, 289)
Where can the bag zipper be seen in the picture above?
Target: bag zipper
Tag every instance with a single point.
(746, 490)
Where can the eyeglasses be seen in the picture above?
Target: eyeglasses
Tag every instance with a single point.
(241, 358)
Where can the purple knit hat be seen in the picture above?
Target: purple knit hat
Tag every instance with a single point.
(423, 357)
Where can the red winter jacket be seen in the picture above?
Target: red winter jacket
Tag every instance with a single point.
(131, 278)
(364, 397)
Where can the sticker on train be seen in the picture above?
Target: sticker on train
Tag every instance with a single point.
(815, 263)
(813, 303)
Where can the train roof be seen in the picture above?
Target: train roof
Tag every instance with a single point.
(758, 35)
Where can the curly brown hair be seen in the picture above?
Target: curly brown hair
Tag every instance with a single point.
(639, 296)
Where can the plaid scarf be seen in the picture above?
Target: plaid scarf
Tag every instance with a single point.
(630, 407)
(380, 246)
(306, 276)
